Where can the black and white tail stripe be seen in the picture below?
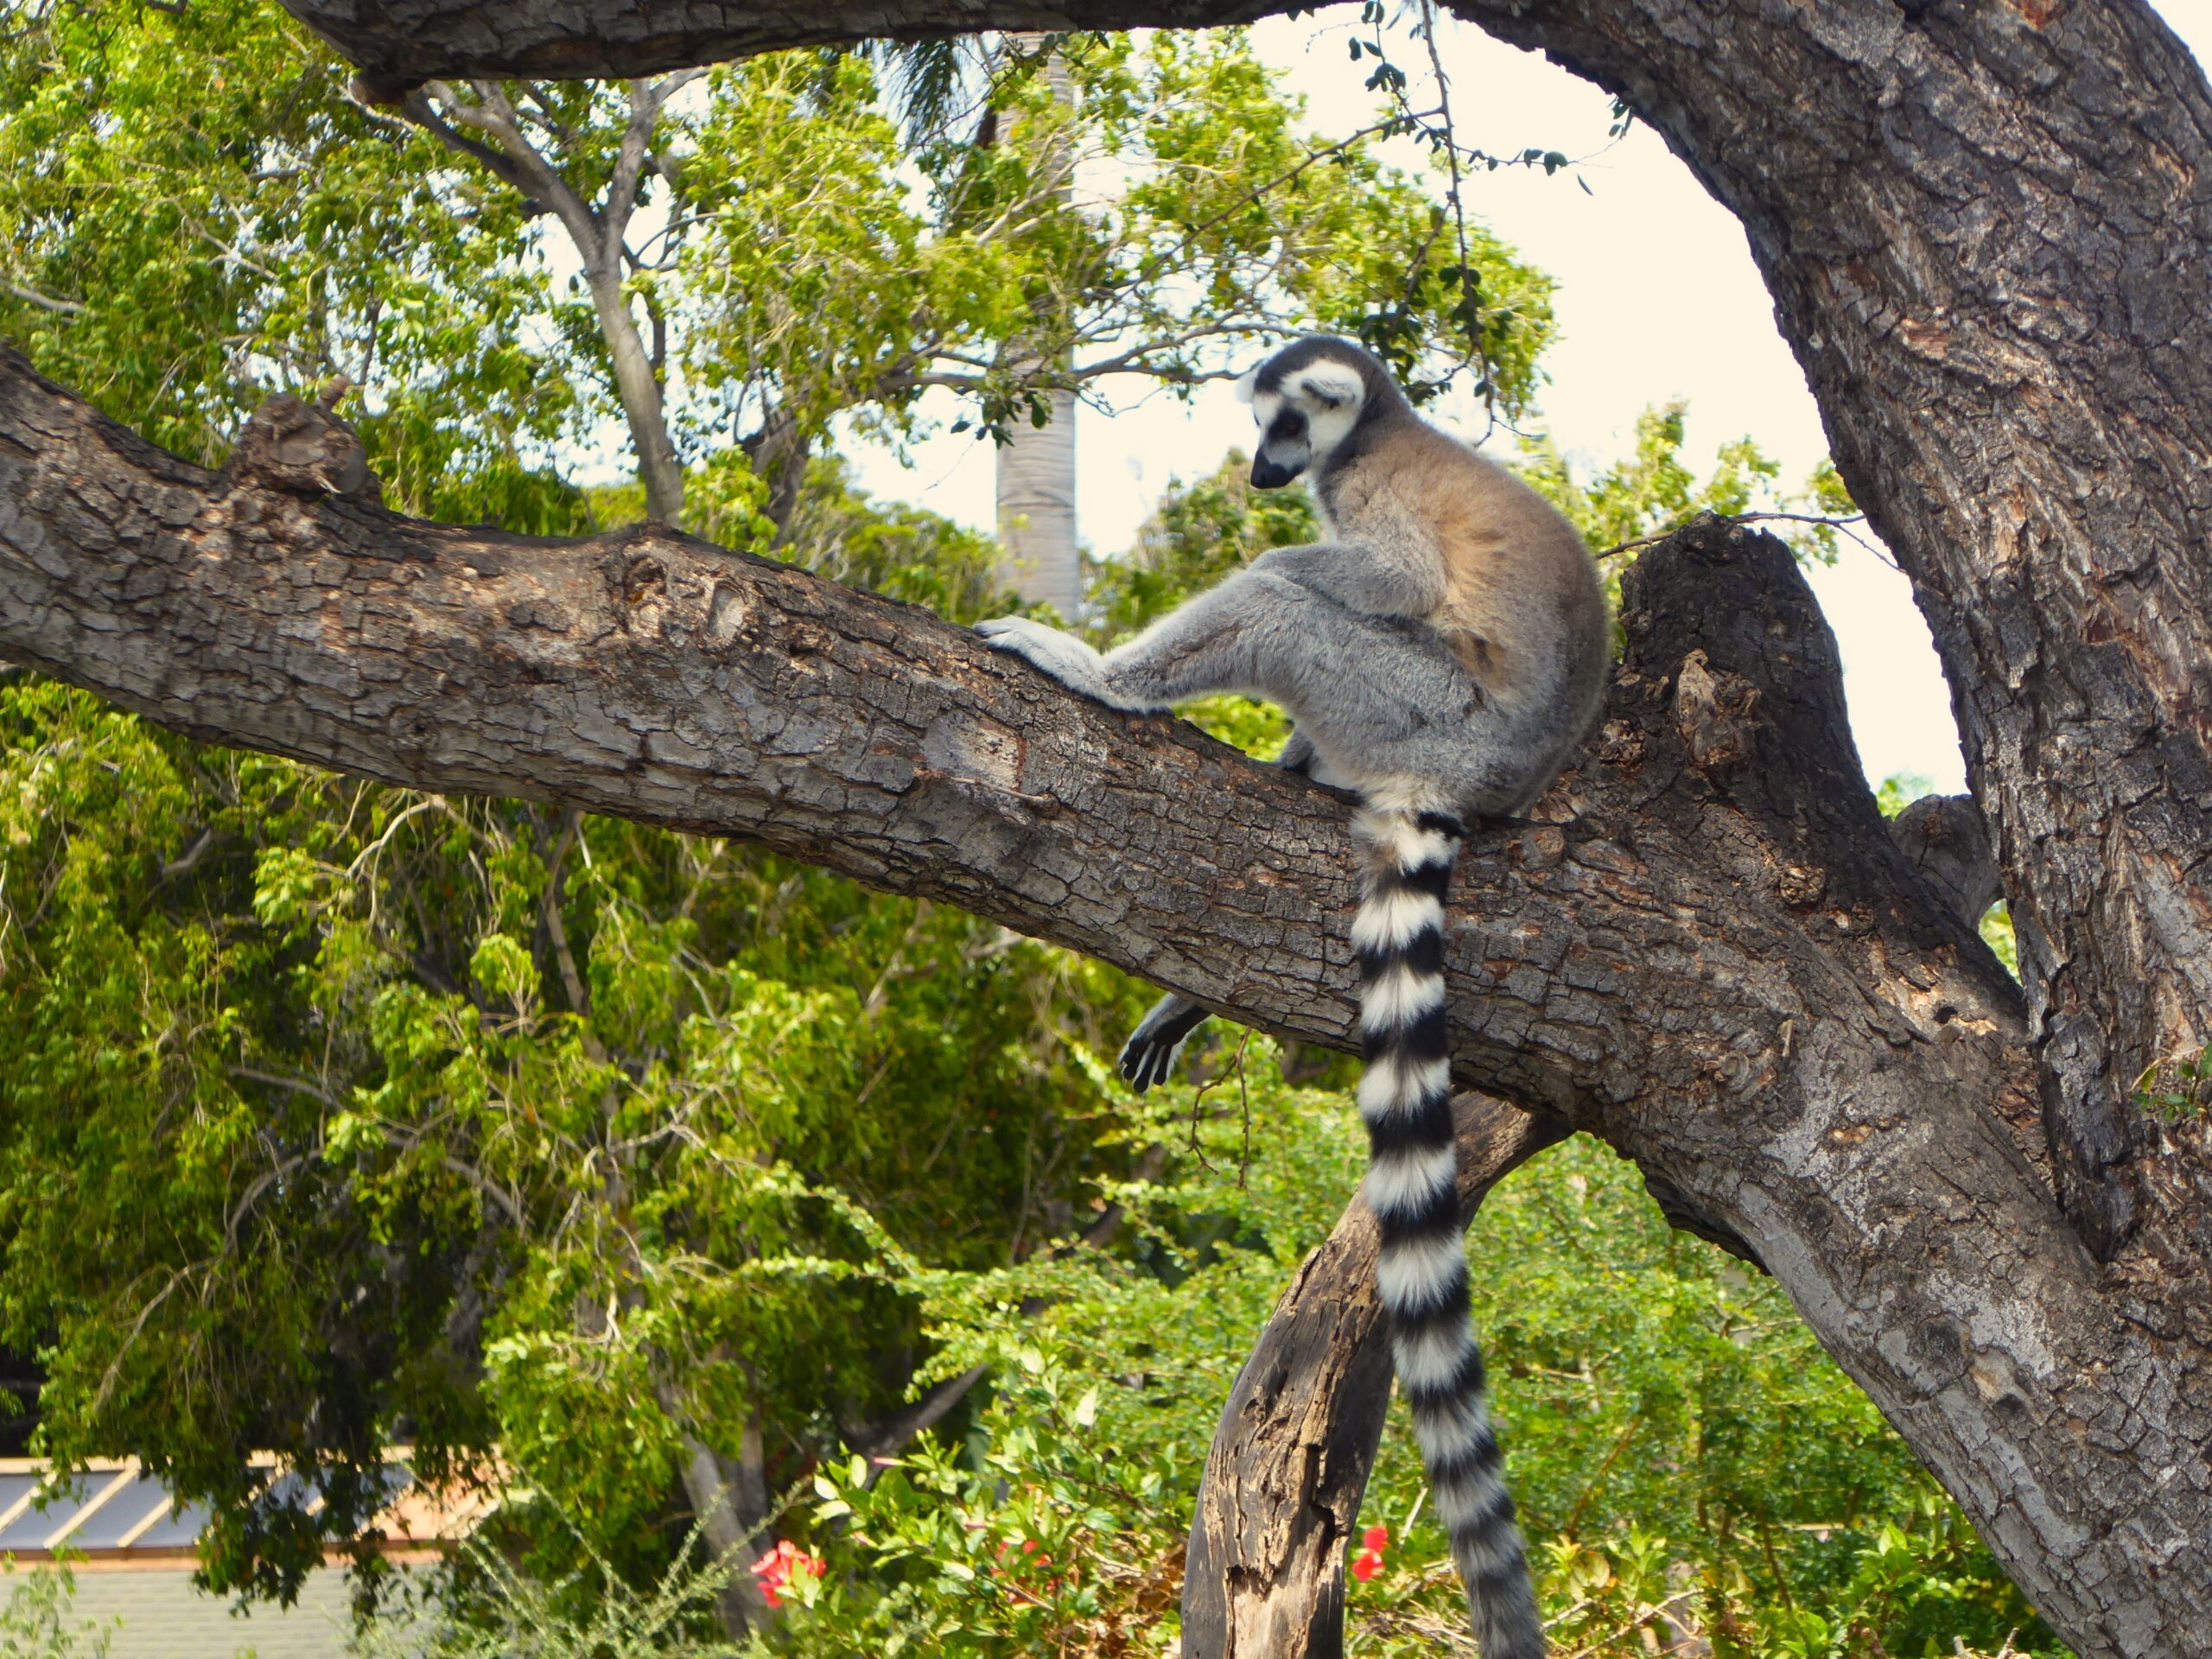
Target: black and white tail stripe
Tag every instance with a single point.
(1422, 1275)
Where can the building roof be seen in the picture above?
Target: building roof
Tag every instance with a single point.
(114, 1514)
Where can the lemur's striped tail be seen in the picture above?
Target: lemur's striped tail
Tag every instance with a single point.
(1404, 1097)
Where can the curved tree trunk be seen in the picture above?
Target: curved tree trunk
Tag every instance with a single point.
(1709, 953)
(1264, 1575)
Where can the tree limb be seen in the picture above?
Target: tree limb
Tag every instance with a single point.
(398, 46)
(44, 301)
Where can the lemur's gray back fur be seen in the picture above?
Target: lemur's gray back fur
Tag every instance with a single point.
(1442, 653)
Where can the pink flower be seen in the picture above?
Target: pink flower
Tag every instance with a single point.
(1376, 1539)
(774, 1569)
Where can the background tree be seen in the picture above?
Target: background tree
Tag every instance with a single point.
(194, 215)
(1035, 480)
(759, 264)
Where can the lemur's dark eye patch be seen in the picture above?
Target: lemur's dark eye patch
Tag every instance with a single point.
(1291, 423)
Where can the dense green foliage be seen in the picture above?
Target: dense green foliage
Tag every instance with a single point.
(335, 1116)
(191, 214)
(1676, 1438)
(822, 281)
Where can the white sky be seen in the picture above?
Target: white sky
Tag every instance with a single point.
(1658, 298)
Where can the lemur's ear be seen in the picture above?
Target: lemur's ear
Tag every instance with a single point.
(1333, 384)
(1246, 384)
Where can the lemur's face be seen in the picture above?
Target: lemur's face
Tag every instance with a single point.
(1302, 417)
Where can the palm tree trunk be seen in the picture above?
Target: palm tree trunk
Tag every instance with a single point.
(1036, 466)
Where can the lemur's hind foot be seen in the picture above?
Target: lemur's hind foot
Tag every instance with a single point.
(1149, 1055)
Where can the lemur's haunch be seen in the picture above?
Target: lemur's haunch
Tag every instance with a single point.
(1442, 653)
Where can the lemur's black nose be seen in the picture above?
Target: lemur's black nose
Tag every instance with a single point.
(1270, 474)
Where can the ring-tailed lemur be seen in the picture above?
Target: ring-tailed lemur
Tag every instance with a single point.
(1442, 653)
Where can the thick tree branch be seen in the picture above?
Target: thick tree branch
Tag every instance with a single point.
(400, 45)
(1944, 838)
(1711, 955)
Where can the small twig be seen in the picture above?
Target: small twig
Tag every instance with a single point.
(1469, 316)
(188, 860)
(1244, 1106)
(1642, 1619)
(296, 1085)
(1843, 525)
(556, 931)
(888, 1439)
(114, 1372)
(1590, 1486)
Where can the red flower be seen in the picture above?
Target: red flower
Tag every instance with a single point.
(774, 1569)
(1369, 1561)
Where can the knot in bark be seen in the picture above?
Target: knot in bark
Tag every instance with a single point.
(1943, 837)
(1713, 713)
(303, 448)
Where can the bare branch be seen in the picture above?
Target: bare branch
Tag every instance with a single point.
(44, 301)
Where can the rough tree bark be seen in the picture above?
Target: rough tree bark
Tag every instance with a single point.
(400, 44)
(1988, 233)
(1710, 953)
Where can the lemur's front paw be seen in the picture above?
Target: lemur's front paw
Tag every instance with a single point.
(1067, 658)
(1000, 629)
